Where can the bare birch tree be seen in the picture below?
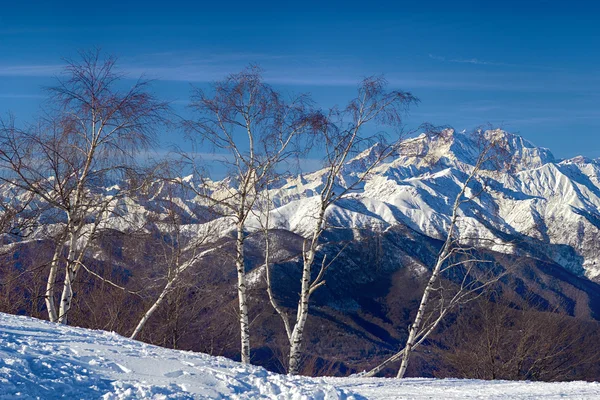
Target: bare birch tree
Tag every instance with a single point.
(180, 251)
(342, 137)
(456, 254)
(256, 128)
(90, 136)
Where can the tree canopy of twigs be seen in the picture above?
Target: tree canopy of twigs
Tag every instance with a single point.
(89, 135)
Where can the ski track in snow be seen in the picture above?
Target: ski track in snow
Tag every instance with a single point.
(46, 361)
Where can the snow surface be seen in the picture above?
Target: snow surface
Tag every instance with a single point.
(46, 361)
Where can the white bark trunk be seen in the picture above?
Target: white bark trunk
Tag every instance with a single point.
(153, 308)
(442, 257)
(298, 332)
(308, 256)
(416, 325)
(67, 295)
(70, 273)
(445, 252)
(241, 287)
(75, 228)
(170, 284)
(50, 304)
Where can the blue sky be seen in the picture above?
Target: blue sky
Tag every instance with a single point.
(531, 69)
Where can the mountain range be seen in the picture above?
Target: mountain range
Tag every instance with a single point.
(535, 205)
(532, 214)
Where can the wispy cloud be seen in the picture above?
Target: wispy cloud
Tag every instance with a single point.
(590, 115)
(289, 75)
(331, 75)
(29, 70)
(218, 163)
(477, 61)
(278, 69)
(295, 70)
(20, 96)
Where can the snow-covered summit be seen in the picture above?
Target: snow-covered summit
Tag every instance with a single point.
(450, 147)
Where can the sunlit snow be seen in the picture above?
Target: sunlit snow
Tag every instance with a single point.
(47, 361)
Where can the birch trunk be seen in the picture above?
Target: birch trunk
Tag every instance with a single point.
(416, 326)
(70, 271)
(49, 297)
(67, 295)
(298, 332)
(442, 257)
(411, 342)
(170, 284)
(153, 308)
(282, 314)
(308, 256)
(241, 275)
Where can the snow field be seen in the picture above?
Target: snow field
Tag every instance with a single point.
(41, 360)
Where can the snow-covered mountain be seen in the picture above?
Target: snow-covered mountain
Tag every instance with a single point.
(43, 360)
(541, 216)
(544, 207)
(541, 206)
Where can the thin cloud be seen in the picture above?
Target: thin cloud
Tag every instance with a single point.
(281, 69)
(324, 76)
(219, 58)
(287, 69)
(474, 61)
(477, 61)
(30, 70)
(20, 96)
(219, 162)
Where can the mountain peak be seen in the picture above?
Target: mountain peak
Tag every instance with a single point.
(450, 147)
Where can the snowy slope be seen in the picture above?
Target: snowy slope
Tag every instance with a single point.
(47, 361)
(44, 360)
